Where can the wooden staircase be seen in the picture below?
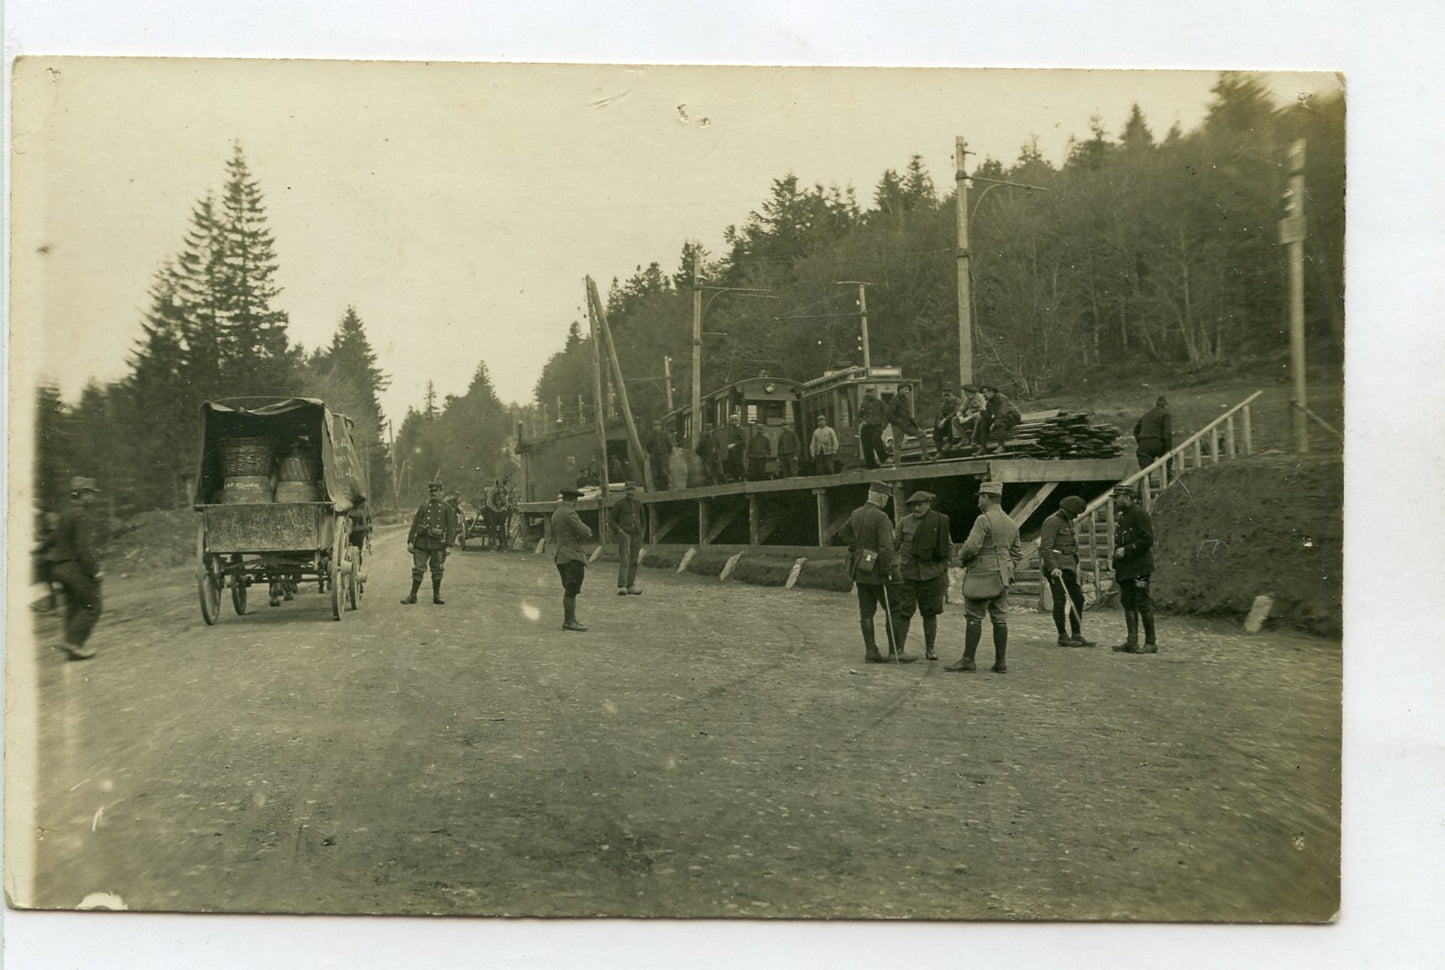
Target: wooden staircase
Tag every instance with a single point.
(1229, 436)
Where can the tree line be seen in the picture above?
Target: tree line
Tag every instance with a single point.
(212, 330)
(1137, 247)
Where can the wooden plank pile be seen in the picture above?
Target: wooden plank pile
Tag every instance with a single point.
(1054, 434)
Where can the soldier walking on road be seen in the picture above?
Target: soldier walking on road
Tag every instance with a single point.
(1154, 434)
(824, 448)
(872, 564)
(74, 567)
(923, 550)
(1133, 564)
(433, 530)
(872, 416)
(570, 532)
(1059, 553)
(989, 555)
(628, 517)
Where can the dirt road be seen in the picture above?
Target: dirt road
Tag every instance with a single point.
(706, 749)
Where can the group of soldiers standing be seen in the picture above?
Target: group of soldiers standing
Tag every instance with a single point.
(905, 570)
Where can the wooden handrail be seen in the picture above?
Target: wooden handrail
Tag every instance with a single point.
(1159, 462)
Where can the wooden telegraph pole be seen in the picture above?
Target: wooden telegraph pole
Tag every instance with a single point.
(634, 444)
(862, 320)
(600, 420)
(965, 322)
(1292, 234)
(696, 348)
(667, 379)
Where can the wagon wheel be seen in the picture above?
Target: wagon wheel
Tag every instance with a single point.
(338, 557)
(208, 582)
(238, 589)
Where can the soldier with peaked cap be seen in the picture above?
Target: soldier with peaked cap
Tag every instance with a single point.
(788, 448)
(433, 530)
(872, 418)
(1133, 565)
(570, 532)
(923, 550)
(872, 564)
(823, 448)
(1059, 555)
(731, 448)
(74, 567)
(759, 451)
(629, 518)
(989, 555)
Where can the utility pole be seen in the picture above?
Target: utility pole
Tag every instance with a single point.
(965, 322)
(863, 319)
(1292, 234)
(667, 379)
(696, 347)
(601, 422)
(634, 444)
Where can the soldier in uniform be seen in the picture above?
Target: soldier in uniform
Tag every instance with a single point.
(970, 410)
(707, 452)
(73, 565)
(1133, 564)
(1059, 554)
(759, 451)
(731, 448)
(989, 555)
(1154, 434)
(659, 449)
(900, 416)
(998, 419)
(824, 448)
(872, 564)
(923, 551)
(629, 518)
(433, 530)
(872, 416)
(570, 532)
(788, 448)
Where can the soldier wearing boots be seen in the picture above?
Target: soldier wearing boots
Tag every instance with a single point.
(1133, 564)
(570, 532)
(433, 530)
(1059, 553)
(923, 551)
(989, 555)
(871, 564)
(75, 567)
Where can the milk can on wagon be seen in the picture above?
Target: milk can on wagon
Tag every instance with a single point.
(281, 493)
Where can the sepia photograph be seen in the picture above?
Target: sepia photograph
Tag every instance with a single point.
(602, 490)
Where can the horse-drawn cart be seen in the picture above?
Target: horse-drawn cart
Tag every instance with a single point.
(282, 497)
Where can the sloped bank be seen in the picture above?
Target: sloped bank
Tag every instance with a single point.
(1269, 525)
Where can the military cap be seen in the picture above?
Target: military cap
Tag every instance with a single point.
(80, 484)
(822, 419)
(1072, 505)
(972, 388)
(1125, 490)
(919, 497)
(988, 387)
(880, 487)
(434, 486)
(570, 492)
(631, 487)
(991, 488)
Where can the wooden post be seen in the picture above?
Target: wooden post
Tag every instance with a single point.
(1146, 493)
(754, 521)
(823, 514)
(1292, 233)
(863, 323)
(1198, 453)
(601, 423)
(1229, 444)
(634, 444)
(1248, 431)
(960, 219)
(1108, 537)
(667, 379)
(1094, 556)
(702, 522)
(1213, 444)
(697, 422)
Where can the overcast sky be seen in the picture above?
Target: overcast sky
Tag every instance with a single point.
(459, 206)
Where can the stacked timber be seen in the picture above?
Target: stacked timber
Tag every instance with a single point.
(1063, 434)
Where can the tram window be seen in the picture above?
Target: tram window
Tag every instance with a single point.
(768, 412)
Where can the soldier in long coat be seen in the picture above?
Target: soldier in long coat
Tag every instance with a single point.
(872, 564)
(433, 530)
(1133, 565)
(1059, 555)
(989, 555)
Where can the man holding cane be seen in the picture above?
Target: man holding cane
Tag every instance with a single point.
(1059, 550)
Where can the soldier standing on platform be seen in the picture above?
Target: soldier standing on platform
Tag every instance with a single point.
(570, 532)
(1059, 554)
(872, 416)
(788, 448)
(989, 555)
(433, 530)
(900, 416)
(74, 566)
(659, 450)
(872, 565)
(923, 550)
(731, 448)
(707, 453)
(629, 518)
(759, 451)
(1133, 565)
(824, 448)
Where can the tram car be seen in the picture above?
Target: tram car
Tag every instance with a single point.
(769, 401)
(838, 396)
(568, 457)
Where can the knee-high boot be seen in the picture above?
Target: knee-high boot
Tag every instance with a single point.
(1131, 623)
(973, 632)
(436, 591)
(1149, 645)
(1000, 648)
(930, 637)
(900, 635)
(411, 597)
(569, 615)
(870, 643)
